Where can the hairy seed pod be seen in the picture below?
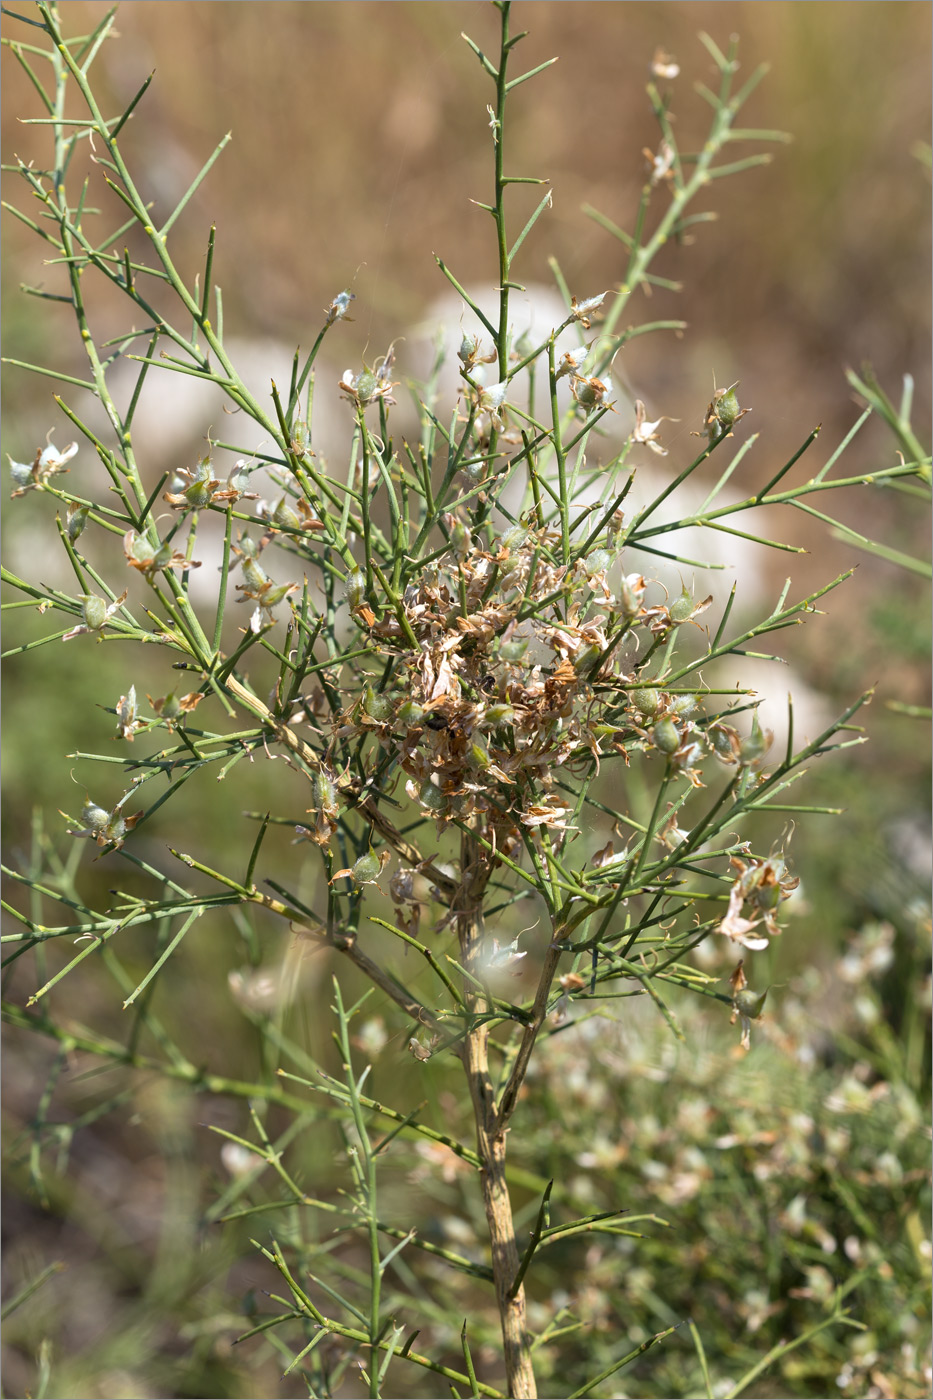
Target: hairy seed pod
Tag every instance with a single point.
(597, 562)
(665, 736)
(367, 868)
(95, 611)
(410, 713)
(323, 791)
(379, 707)
(646, 700)
(682, 607)
(284, 516)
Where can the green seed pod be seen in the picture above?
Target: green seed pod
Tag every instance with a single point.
(500, 714)
(323, 792)
(479, 754)
(514, 538)
(95, 611)
(76, 520)
(284, 516)
(748, 1003)
(682, 607)
(646, 700)
(469, 345)
(725, 741)
(665, 736)
(513, 651)
(93, 816)
(198, 494)
(683, 706)
(410, 713)
(598, 562)
(433, 798)
(355, 589)
(757, 744)
(366, 386)
(586, 658)
(727, 407)
(460, 538)
(367, 868)
(378, 707)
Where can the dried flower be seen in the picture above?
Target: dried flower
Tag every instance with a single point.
(645, 432)
(663, 65)
(170, 708)
(128, 721)
(48, 462)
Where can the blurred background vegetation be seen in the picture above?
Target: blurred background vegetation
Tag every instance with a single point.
(359, 137)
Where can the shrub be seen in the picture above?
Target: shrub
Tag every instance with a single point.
(491, 725)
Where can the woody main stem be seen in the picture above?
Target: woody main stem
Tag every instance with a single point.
(491, 1134)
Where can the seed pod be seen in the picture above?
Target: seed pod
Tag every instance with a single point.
(665, 735)
(76, 520)
(379, 707)
(95, 611)
(725, 741)
(366, 386)
(500, 714)
(355, 589)
(586, 658)
(748, 1003)
(682, 607)
(683, 706)
(198, 494)
(757, 744)
(646, 700)
(368, 868)
(513, 651)
(479, 754)
(514, 538)
(93, 816)
(284, 516)
(727, 407)
(323, 792)
(433, 798)
(598, 562)
(410, 713)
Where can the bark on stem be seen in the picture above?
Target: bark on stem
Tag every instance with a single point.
(490, 1134)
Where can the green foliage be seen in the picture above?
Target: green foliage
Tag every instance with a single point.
(477, 695)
